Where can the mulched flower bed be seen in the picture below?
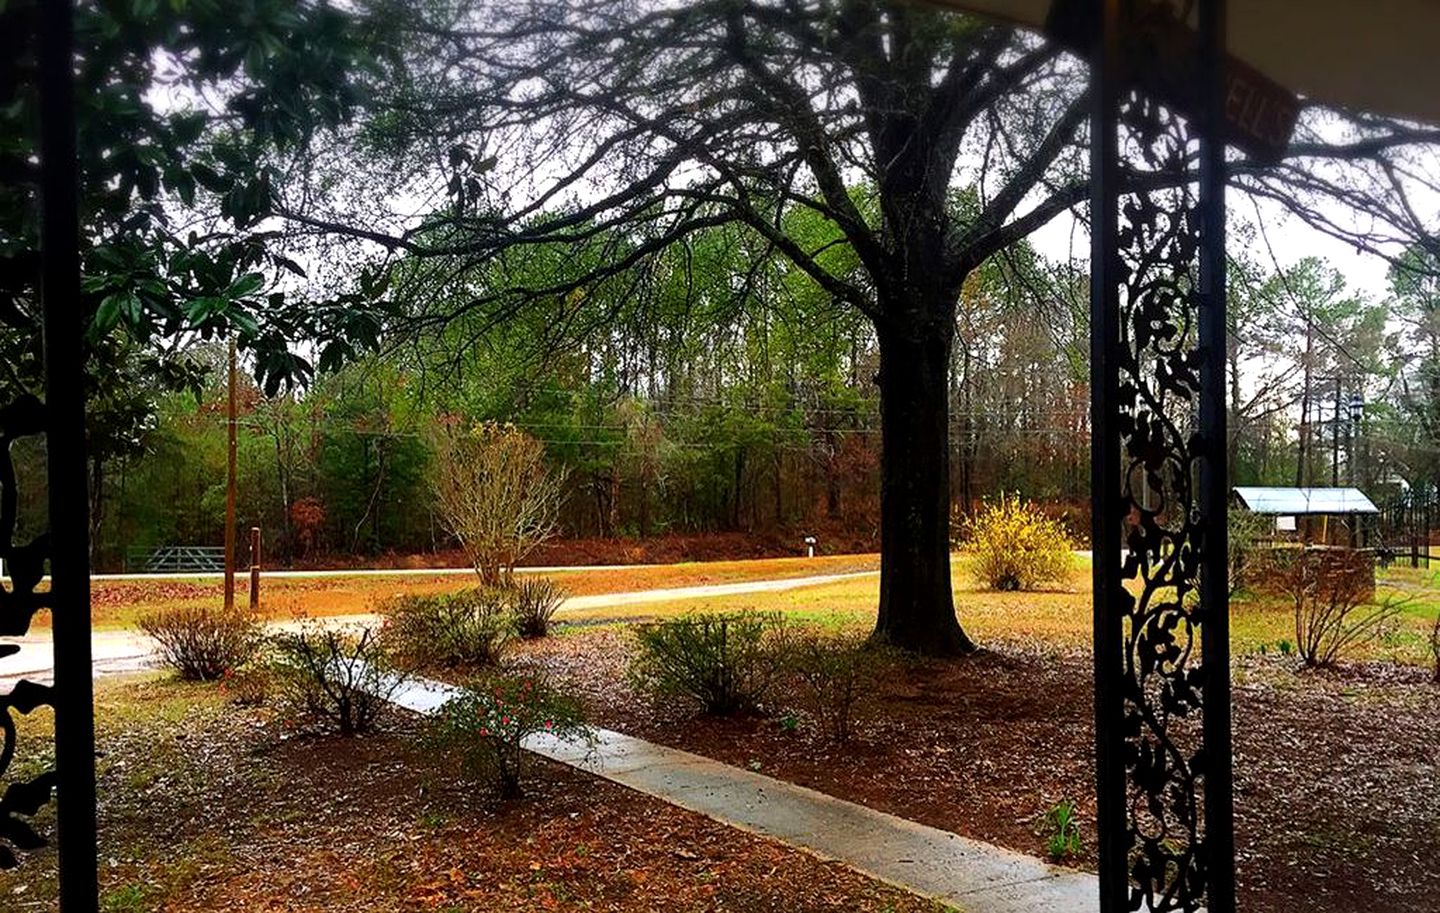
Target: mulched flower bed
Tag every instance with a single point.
(1337, 773)
(209, 807)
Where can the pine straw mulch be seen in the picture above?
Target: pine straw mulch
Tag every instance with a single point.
(1337, 773)
(208, 807)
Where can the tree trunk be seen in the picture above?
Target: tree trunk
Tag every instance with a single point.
(644, 495)
(832, 475)
(287, 525)
(778, 489)
(614, 522)
(917, 606)
(97, 502)
(1302, 447)
(739, 477)
(1232, 445)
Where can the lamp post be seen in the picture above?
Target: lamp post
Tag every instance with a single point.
(1357, 417)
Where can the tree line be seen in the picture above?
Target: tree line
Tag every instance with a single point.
(698, 409)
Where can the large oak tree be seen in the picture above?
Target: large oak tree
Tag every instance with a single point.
(621, 127)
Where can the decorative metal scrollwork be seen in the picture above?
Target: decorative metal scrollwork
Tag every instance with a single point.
(18, 604)
(1157, 400)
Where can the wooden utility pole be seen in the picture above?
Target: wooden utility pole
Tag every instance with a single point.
(230, 491)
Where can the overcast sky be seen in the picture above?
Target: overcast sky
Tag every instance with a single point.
(1291, 239)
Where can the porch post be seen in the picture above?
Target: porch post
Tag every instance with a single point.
(72, 695)
(1214, 608)
(1159, 474)
(1107, 510)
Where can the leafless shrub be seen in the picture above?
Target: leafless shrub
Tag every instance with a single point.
(333, 679)
(494, 493)
(1244, 531)
(201, 644)
(722, 663)
(533, 604)
(833, 672)
(1334, 609)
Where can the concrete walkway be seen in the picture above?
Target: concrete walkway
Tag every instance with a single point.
(969, 875)
(120, 651)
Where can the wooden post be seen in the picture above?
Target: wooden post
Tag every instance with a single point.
(230, 491)
(254, 569)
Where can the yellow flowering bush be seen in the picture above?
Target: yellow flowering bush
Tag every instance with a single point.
(1011, 545)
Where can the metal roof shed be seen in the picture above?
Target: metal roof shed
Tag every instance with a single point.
(1304, 501)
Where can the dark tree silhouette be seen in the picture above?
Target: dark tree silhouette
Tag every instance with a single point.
(619, 128)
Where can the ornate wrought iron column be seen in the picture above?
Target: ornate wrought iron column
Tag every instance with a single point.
(1162, 698)
(62, 420)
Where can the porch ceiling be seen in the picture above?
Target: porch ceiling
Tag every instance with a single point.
(1378, 56)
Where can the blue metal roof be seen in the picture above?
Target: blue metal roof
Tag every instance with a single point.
(1268, 500)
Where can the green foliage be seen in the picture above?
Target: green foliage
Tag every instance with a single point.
(253, 85)
(489, 723)
(1244, 530)
(1012, 545)
(369, 468)
(128, 898)
(533, 604)
(333, 680)
(722, 664)
(203, 644)
(834, 672)
(466, 628)
(1063, 829)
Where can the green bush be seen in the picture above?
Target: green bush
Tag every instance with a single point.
(721, 663)
(833, 672)
(470, 627)
(488, 724)
(203, 644)
(1012, 545)
(533, 604)
(333, 680)
(1064, 832)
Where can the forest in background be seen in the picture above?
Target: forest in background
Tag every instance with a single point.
(725, 395)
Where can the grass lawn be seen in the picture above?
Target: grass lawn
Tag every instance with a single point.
(120, 603)
(1061, 615)
(205, 806)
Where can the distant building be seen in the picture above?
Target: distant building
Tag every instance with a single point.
(1325, 516)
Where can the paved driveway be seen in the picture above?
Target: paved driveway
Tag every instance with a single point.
(128, 650)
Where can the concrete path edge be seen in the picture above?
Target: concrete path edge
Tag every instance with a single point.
(970, 875)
